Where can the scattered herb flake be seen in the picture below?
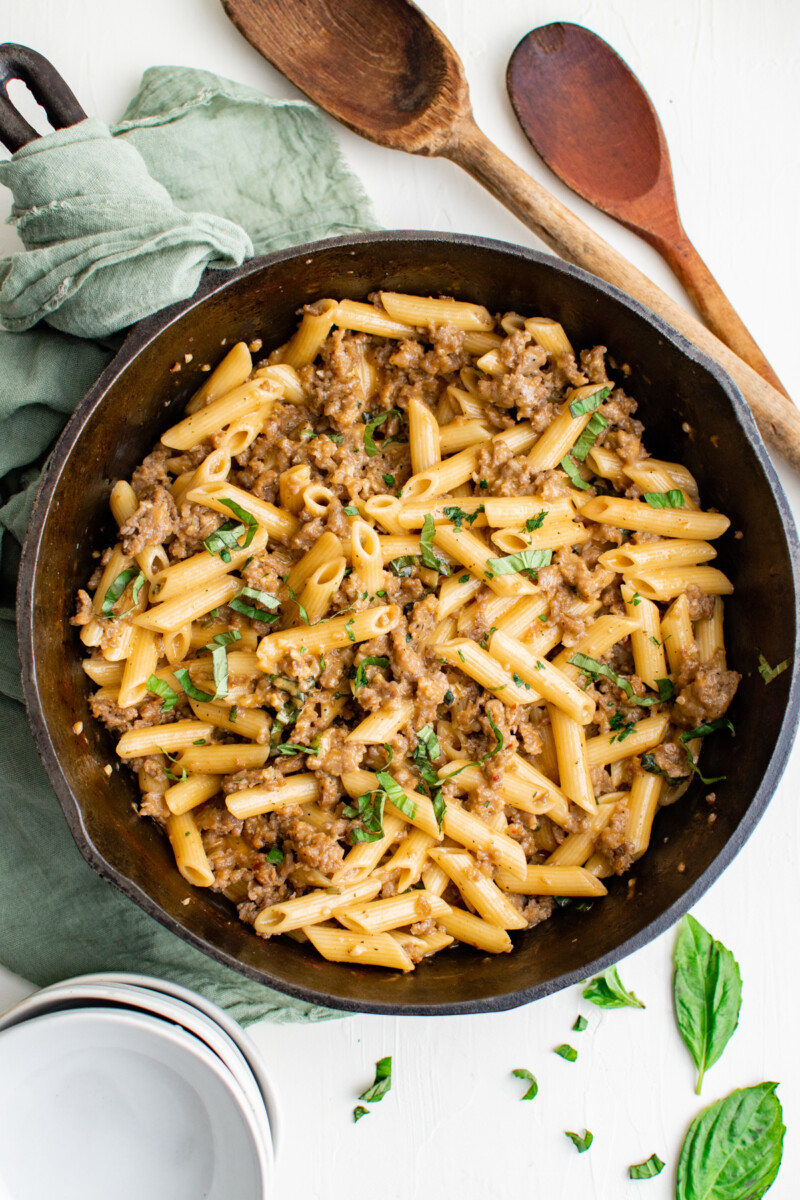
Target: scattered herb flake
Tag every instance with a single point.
(581, 1144)
(359, 1111)
(566, 1051)
(671, 499)
(275, 855)
(522, 1073)
(373, 660)
(646, 1170)
(769, 673)
(703, 731)
(382, 1084)
(580, 1024)
(369, 430)
(457, 516)
(350, 510)
(535, 522)
(116, 589)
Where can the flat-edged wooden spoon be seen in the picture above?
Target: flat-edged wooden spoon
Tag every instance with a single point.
(384, 70)
(587, 115)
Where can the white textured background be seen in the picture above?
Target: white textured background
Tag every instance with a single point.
(725, 78)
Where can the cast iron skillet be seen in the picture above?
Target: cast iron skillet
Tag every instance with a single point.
(693, 413)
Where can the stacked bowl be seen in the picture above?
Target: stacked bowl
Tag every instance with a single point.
(131, 1085)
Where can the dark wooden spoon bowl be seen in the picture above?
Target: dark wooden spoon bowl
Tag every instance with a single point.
(588, 116)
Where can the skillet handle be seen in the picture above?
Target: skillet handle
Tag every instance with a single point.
(46, 86)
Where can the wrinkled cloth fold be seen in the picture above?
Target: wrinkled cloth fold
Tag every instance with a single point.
(221, 162)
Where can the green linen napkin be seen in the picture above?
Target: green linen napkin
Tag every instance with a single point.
(210, 167)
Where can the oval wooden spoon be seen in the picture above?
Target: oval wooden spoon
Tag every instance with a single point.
(588, 116)
(384, 70)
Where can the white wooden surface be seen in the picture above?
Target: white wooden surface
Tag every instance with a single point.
(724, 77)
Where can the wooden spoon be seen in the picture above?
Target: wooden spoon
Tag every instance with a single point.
(588, 116)
(384, 70)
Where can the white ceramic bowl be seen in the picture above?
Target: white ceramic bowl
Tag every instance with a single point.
(111, 1101)
(70, 995)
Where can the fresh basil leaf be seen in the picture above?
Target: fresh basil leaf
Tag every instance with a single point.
(439, 806)
(429, 559)
(382, 1084)
(256, 614)
(535, 522)
(185, 680)
(608, 991)
(567, 1052)
(581, 1144)
(646, 1170)
(525, 560)
(275, 855)
(372, 660)
(160, 688)
(397, 796)
(589, 436)
(733, 1148)
(588, 404)
(594, 669)
(769, 673)
(571, 467)
(457, 516)
(703, 731)
(359, 1111)
(225, 539)
(671, 499)
(521, 1073)
(245, 517)
(707, 990)
(370, 427)
(580, 1024)
(114, 592)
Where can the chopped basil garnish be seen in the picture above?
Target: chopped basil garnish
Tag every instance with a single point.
(219, 658)
(368, 808)
(300, 608)
(622, 727)
(275, 855)
(116, 589)
(707, 990)
(404, 565)
(395, 793)
(588, 404)
(138, 584)
(389, 480)
(570, 466)
(185, 680)
(372, 660)
(348, 630)
(522, 1073)
(608, 991)
(589, 436)
(567, 1052)
(448, 697)
(535, 522)
(382, 1084)
(594, 669)
(580, 1024)
(159, 688)
(671, 499)
(233, 714)
(169, 774)
(458, 516)
(703, 731)
(370, 427)
(581, 1144)
(293, 748)
(225, 539)
(650, 765)
(646, 1170)
(359, 1111)
(769, 673)
(429, 559)
(350, 510)
(256, 614)
(427, 750)
(463, 579)
(525, 560)
(247, 519)
(338, 438)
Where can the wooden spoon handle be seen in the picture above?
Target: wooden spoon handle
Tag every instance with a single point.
(776, 416)
(713, 305)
